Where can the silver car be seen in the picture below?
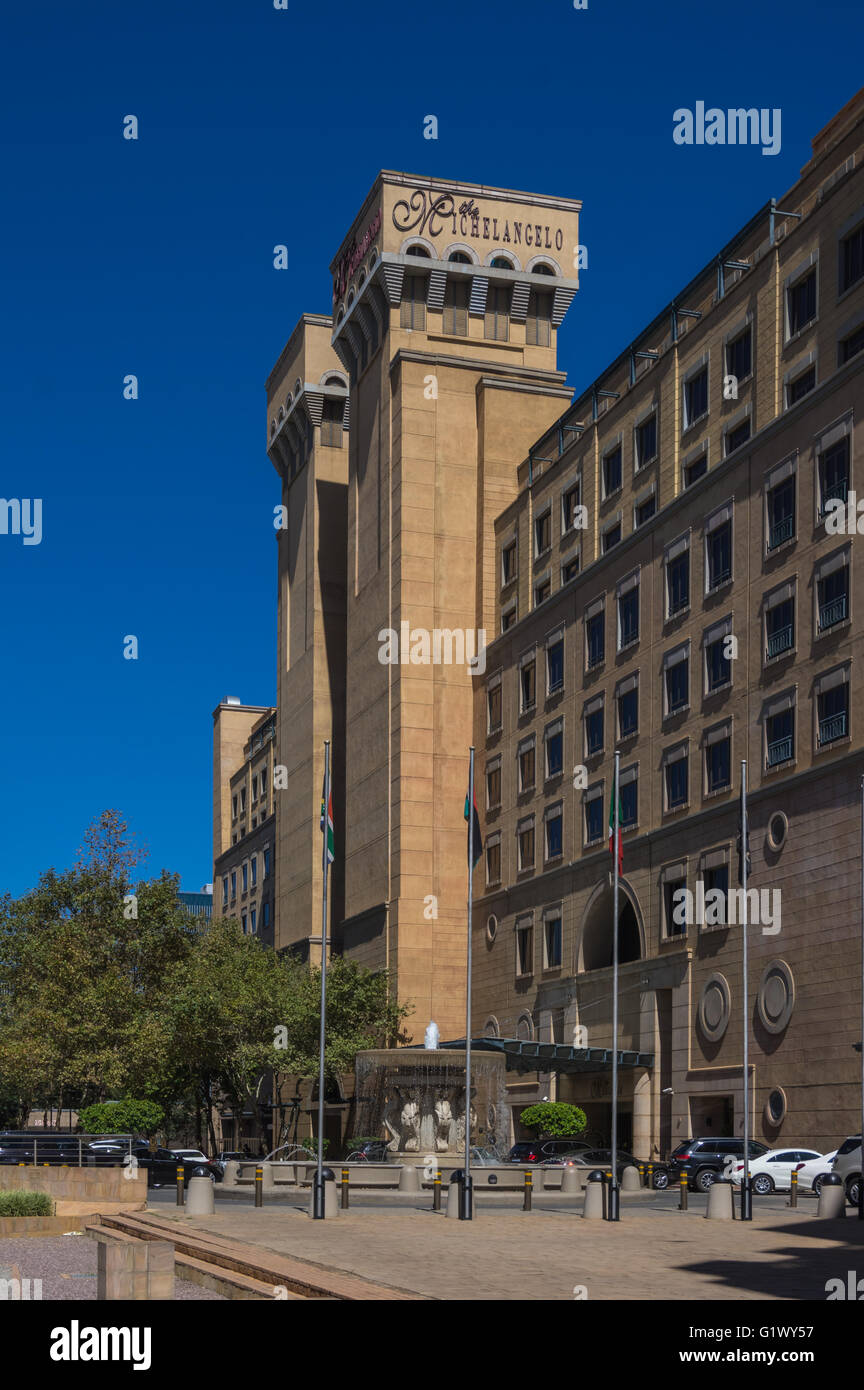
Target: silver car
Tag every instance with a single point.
(847, 1165)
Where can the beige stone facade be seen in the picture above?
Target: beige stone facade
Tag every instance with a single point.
(244, 822)
(699, 612)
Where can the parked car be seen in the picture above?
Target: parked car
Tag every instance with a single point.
(232, 1156)
(773, 1171)
(847, 1165)
(811, 1173)
(545, 1150)
(191, 1154)
(161, 1168)
(17, 1146)
(703, 1161)
(598, 1158)
(369, 1151)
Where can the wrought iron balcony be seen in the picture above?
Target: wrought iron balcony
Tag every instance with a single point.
(780, 751)
(780, 641)
(833, 612)
(782, 530)
(832, 728)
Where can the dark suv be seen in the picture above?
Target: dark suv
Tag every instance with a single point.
(555, 1151)
(703, 1161)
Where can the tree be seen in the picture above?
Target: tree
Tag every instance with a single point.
(552, 1119)
(122, 1117)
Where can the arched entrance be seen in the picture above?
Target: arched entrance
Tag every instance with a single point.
(595, 940)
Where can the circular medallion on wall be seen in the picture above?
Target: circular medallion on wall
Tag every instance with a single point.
(714, 1007)
(775, 1107)
(776, 998)
(778, 829)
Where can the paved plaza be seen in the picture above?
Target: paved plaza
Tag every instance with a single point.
(655, 1252)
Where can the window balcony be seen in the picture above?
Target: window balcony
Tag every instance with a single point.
(781, 531)
(780, 751)
(832, 492)
(830, 614)
(780, 641)
(832, 728)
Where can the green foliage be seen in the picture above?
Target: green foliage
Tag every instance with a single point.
(554, 1119)
(311, 1143)
(26, 1204)
(121, 1117)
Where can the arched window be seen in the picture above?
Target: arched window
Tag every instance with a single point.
(417, 251)
(538, 324)
(460, 258)
(542, 269)
(501, 263)
(333, 381)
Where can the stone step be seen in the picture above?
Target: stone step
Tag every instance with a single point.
(203, 1272)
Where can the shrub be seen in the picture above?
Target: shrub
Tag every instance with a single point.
(121, 1117)
(554, 1119)
(26, 1204)
(312, 1144)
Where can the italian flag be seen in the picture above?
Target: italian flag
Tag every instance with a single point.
(328, 820)
(612, 827)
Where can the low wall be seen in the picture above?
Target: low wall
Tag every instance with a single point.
(77, 1184)
(11, 1226)
(504, 1176)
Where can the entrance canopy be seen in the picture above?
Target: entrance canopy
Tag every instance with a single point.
(533, 1056)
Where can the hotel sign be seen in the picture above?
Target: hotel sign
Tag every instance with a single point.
(434, 217)
(354, 255)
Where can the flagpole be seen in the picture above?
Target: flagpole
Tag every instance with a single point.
(746, 1194)
(614, 1198)
(465, 1203)
(861, 1179)
(318, 1212)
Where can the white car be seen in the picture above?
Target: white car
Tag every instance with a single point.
(811, 1173)
(191, 1155)
(773, 1171)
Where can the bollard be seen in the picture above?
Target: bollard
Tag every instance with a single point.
(682, 1187)
(649, 1175)
(181, 1173)
(527, 1191)
(259, 1186)
(721, 1206)
(409, 1180)
(329, 1206)
(569, 1179)
(595, 1196)
(630, 1179)
(455, 1198)
(832, 1197)
(200, 1198)
(642, 1182)
(436, 1190)
(345, 1177)
(793, 1189)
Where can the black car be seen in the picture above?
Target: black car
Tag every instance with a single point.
(555, 1151)
(40, 1146)
(603, 1157)
(703, 1161)
(161, 1168)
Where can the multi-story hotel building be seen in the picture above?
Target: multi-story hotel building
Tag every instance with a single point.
(652, 570)
(669, 583)
(244, 820)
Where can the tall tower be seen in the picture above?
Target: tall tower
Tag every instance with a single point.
(447, 299)
(307, 433)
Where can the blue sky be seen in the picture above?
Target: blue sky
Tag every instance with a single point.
(154, 257)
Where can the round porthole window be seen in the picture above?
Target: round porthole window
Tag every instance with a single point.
(714, 1007)
(492, 926)
(776, 998)
(775, 1107)
(778, 828)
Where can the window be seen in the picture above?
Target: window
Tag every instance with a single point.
(718, 549)
(225, 890)
(508, 563)
(851, 259)
(543, 532)
(677, 578)
(267, 863)
(542, 590)
(245, 877)
(645, 510)
(612, 472)
(737, 436)
(780, 622)
(254, 789)
(254, 867)
(832, 592)
(629, 799)
(628, 616)
(554, 834)
(695, 397)
(780, 734)
(234, 885)
(674, 918)
(676, 778)
(265, 914)
(570, 569)
(718, 663)
(611, 537)
(526, 765)
(552, 942)
(243, 921)
(253, 920)
(413, 308)
(833, 472)
(800, 303)
(456, 301)
(716, 881)
(695, 470)
(493, 859)
(739, 356)
(508, 618)
(800, 386)
(493, 707)
(331, 423)
(555, 666)
(538, 324)
(718, 759)
(676, 680)
(554, 740)
(524, 948)
(498, 313)
(595, 640)
(594, 727)
(832, 707)
(234, 807)
(628, 708)
(527, 685)
(593, 816)
(569, 505)
(242, 801)
(780, 506)
(525, 842)
(646, 442)
(851, 346)
(493, 785)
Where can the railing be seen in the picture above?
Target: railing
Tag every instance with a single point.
(781, 531)
(780, 641)
(780, 751)
(832, 492)
(833, 727)
(832, 612)
(70, 1150)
